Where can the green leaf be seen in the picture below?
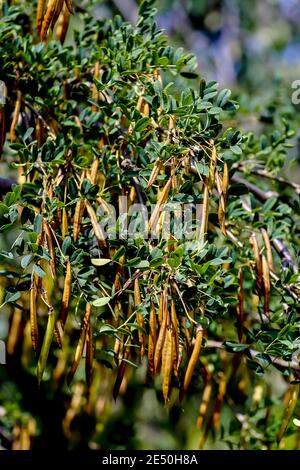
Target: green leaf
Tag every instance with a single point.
(100, 261)
(101, 301)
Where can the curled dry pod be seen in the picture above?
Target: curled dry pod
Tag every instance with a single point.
(192, 362)
(65, 303)
(69, 5)
(151, 339)
(33, 313)
(81, 343)
(46, 345)
(167, 360)
(139, 317)
(266, 284)
(15, 119)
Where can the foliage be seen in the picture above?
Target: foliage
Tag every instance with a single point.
(215, 315)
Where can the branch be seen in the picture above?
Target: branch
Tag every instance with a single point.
(275, 360)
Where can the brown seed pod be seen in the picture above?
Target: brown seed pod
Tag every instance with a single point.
(14, 331)
(212, 166)
(64, 223)
(204, 403)
(175, 337)
(15, 119)
(266, 284)
(69, 5)
(79, 209)
(42, 362)
(204, 218)
(121, 373)
(65, 303)
(219, 401)
(162, 331)
(53, 10)
(139, 317)
(50, 243)
(151, 339)
(290, 401)
(33, 313)
(89, 355)
(81, 343)
(161, 200)
(268, 248)
(167, 360)
(63, 24)
(240, 306)
(192, 362)
(99, 234)
(258, 264)
(40, 12)
(154, 173)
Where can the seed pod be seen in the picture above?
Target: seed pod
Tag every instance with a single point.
(121, 373)
(69, 5)
(266, 285)
(64, 225)
(46, 346)
(162, 331)
(63, 24)
(139, 316)
(151, 339)
(99, 234)
(291, 399)
(162, 199)
(33, 314)
(52, 13)
(212, 166)
(2, 129)
(66, 295)
(166, 367)
(204, 404)
(219, 401)
(160, 307)
(192, 362)
(175, 337)
(154, 173)
(50, 243)
(89, 355)
(204, 218)
(94, 170)
(81, 343)
(79, 209)
(40, 12)
(240, 306)
(14, 331)
(15, 119)
(268, 248)
(95, 94)
(255, 246)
